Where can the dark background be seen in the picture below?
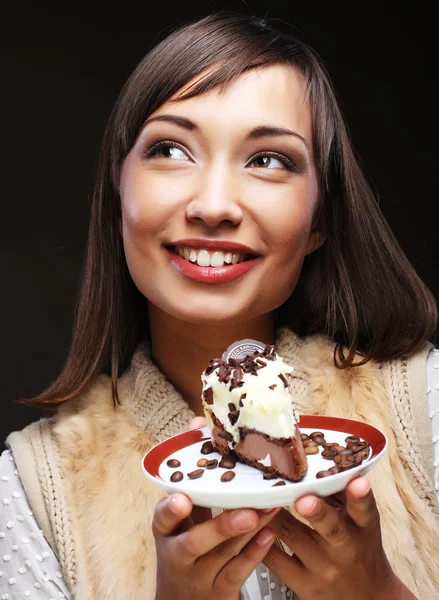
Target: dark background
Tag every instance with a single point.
(60, 77)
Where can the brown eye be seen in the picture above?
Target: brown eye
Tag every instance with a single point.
(171, 152)
(269, 161)
(166, 150)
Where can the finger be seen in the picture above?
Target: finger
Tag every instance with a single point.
(170, 513)
(360, 503)
(198, 422)
(324, 519)
(221, 554)
(300, 538)
(233, 575)
(202, 538)
(289, 569)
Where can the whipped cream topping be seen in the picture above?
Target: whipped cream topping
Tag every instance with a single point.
(250, 393)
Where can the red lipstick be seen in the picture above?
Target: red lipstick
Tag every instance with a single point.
(211, 275)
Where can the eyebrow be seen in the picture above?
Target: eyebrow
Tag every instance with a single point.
(255, 134)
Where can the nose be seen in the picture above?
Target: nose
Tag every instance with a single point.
(215, 202)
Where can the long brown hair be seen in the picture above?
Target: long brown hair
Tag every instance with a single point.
(358, 288)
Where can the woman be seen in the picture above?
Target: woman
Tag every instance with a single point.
(228, 204)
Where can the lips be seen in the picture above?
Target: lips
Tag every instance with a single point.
(211, 261)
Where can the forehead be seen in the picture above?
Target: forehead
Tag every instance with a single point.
(273, 95)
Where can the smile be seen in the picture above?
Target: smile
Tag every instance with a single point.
(211, 265)
(209, 258)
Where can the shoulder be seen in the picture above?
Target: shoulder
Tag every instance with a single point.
(77, 420)
(313, 351)
(32, 445)
(96, 395)
(91, 421)
(410, 371)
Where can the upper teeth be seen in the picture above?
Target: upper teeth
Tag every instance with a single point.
(204, 258)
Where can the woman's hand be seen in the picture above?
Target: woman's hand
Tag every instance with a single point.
(198, 422)
(342, 557)
(211, 559)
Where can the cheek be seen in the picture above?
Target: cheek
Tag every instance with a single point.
(147, 203)
(287, 221)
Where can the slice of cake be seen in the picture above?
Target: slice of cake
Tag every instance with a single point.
(250, 413)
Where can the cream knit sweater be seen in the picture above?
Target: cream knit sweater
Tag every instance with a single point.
(81, 469)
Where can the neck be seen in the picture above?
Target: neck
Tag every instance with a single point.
(183, 350)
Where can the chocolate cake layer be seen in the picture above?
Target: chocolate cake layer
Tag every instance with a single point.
(287, 456)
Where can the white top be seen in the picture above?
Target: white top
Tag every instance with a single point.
(29, 569)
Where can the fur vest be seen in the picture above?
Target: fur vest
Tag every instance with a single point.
(81, 469)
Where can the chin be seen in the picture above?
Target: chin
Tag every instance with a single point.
(213, 318)
(219, 311)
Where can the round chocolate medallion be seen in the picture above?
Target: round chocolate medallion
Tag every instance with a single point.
(241, 348)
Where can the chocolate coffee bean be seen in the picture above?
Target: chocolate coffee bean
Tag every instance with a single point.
(195, 474)
(346, 462)
(321, 474)
(352, 438)
(202, 462)
(311, 448)
(329, 453)
(346, 452)
(315, 434)
(278, 483)
(176, 476)
(339, 448)
(304, 437)
(227, 476)
(228, 462)
(359, 446)
(270, 475)
(173, 463)
(329, 444)
(334, 470)
(362, 454)
(207, 448)
(212, 464)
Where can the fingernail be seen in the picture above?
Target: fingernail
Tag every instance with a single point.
(268, 510)
(174, 504)
(243, 521)
(366, 486)
(265, 537)
(309, 506)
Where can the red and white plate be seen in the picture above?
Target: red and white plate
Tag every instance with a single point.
(249, 488)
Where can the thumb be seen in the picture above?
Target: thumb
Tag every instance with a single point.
(197, 423)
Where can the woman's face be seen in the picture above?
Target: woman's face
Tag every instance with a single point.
(218, 196)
